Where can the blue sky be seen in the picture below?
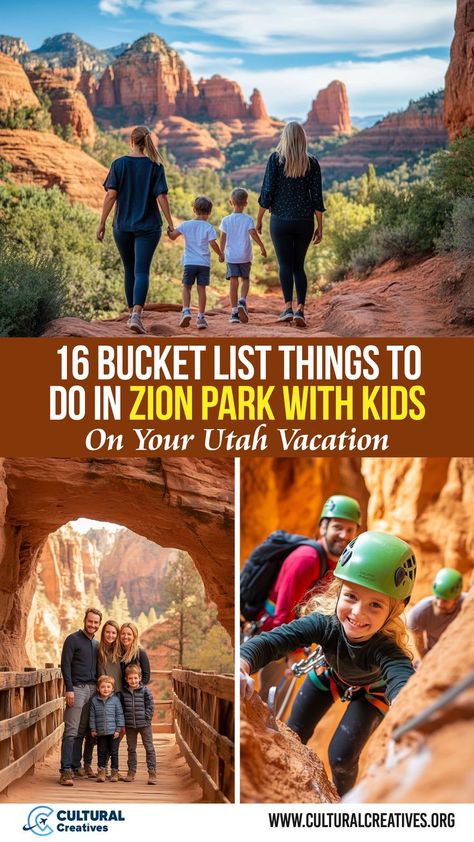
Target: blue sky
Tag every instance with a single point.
(386, 51)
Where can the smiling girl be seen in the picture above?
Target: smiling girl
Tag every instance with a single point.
(359, 627)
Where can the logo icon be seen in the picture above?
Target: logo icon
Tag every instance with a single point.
(38, 821)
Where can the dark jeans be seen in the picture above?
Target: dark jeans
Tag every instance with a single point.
(136, 250)
(359, 721)
(291, 238)
(108, 746)
(147, 740)
(76, 729)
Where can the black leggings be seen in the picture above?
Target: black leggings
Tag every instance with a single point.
(358, 723)
(291, 238)
(136, 250)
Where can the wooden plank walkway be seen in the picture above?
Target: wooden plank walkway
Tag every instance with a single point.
(175, 783)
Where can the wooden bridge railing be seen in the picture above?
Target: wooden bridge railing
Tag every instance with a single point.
(31, 719)
(203, 711)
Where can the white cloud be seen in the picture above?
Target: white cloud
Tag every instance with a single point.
(116, 7)
(373, 87)
(366, 27)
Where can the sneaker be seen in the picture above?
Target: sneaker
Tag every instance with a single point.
(128, 778)
(136, 324)
(299, 318)
(152, 777)
(201, 322)
(234, 319)
(243, 312)
(185, 319)
(286, 316)
(129, 319)
(66, 778)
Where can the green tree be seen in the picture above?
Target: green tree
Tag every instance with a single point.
(119, 609)
(454, 167)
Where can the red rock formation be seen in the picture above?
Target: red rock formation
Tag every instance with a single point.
(136, 565)
(191, 143)
(88, 86)
(459, 85)
(13, 47)
(68, 105)
(15, 88)
(430, 764)
(42, 158)
(275, 768)
(166, 500)
(257, 109)
(222, 99)
(329, 114)
(420, 128)
(148, 81)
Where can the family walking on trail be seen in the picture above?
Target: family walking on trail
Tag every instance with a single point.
(107, 697)
(291, 190)
(346, 594)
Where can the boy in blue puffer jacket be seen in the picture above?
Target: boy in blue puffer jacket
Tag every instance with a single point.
(106, 720)
(138, 707)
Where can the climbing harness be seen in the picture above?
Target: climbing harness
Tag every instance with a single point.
(314, 661)
(445, 698)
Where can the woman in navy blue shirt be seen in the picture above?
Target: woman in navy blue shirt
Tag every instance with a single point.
(292, 192)
(136, 185)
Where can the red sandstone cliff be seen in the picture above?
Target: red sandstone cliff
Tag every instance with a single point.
(459, 85)
(15, 88)
(222, 99)
(42, 158)
(136, 565)
(69, 106)
(420, 128)
(329, 114)
(191, 143)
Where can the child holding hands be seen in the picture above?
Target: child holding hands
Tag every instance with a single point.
(198, 235)
(106, 720)
(358, 625)
(237, 228)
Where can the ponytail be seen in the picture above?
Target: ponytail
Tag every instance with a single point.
(141, 137)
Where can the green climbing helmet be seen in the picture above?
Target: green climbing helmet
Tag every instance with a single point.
(447, 584)
(341, 506)
(380, 562)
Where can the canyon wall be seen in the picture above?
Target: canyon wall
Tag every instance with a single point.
(181, 501)
(459, 84)
(15, 87)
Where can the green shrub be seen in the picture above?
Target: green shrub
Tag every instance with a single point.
(25, 117)
(454, 167)
(31, 295)
(458, 233)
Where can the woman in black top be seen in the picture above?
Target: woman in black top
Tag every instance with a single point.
(132, 652)
(292, 191)
(135, 184)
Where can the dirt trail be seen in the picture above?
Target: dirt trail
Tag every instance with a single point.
(433, 298)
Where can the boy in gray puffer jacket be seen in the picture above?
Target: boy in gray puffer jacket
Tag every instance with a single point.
(138, 707)
(106, 720)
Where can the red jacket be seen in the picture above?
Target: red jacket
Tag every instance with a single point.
(297, 576)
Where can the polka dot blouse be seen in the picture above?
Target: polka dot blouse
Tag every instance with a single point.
(291, 198)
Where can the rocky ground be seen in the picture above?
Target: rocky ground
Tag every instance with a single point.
(433, 298)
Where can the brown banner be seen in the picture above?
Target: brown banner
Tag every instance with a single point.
(229, 398)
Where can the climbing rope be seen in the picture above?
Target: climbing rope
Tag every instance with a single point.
(441, 702)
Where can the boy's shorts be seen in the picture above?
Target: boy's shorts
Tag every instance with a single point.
(238, 270)
(200, 274)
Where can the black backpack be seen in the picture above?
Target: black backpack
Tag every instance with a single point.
(263, 566)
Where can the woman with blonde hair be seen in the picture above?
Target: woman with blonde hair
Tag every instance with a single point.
(365, 661)
(136, 185)
(292, 192)
(132, 652)
(109, 654)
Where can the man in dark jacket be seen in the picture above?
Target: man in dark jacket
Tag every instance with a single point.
(79, 669)
(138, 707)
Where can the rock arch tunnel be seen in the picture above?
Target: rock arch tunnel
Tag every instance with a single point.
(183, 503)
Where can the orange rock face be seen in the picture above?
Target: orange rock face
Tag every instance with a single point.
(459, 85)
(222, 99)
(15, 88)
(42, 158)
(148, 81)
(165, 500)
(136, 565)
(191, 143)
(329, 114)
(257, 109)
(420, 128)
(68, 105)
(275, 767)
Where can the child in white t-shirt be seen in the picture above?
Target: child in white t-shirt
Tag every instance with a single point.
(237, 228)
(198, 235)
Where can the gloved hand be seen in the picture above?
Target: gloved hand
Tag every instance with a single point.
(247, 684)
